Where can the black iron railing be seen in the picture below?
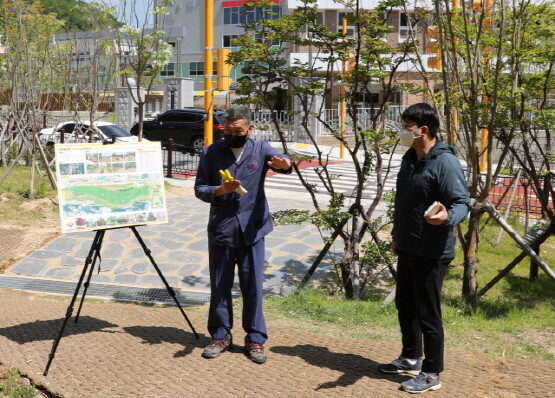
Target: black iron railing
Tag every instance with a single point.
(179, 161)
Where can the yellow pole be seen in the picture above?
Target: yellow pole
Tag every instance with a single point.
(208, 70)
(484, 132)
(455, 112)
(342, 91)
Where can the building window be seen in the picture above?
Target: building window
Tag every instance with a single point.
(273, 12)
(260, 38)
(231, 15)
(196, 69)
(169, 70)
(350, 27)
(248, 15)
(319, 20)
(237, 15)
(395, 97)
(404, 26)
(228, 40)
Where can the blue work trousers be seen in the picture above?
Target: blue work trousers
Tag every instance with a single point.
(250, 264)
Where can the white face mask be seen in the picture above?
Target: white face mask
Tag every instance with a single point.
(406, 137)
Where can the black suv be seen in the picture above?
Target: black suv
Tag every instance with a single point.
(184, 126)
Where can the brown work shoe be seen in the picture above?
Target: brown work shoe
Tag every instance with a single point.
(255, 351)
(217, 346)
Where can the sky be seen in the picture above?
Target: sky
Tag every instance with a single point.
(128, 8)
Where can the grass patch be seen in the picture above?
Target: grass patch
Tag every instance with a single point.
(19, 180)
(17, 207)
(515, 319)
(14, 384)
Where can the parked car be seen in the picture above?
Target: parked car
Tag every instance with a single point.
(82, 131)
(184, 126)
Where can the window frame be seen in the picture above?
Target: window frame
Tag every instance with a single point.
(405, 30)
(197, 71)
(351, 29)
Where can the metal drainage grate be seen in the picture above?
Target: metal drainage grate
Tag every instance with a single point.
(115, 292)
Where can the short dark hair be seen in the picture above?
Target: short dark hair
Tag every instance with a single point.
(239, 112)
(423, 114)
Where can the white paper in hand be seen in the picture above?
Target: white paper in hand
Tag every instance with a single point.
(240, 190)
(433, 209)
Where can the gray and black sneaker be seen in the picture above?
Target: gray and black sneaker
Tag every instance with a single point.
(401, 365)
(217, 346)
(422, 383)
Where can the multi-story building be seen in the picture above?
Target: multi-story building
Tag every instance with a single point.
(187, 17)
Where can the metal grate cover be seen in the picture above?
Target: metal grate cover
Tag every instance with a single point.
(101, 290)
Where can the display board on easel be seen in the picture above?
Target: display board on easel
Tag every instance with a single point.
(103, 187)
(110, 186)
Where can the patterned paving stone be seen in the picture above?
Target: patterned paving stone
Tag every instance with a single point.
(59, 273)
(30, 266)
(69, 261)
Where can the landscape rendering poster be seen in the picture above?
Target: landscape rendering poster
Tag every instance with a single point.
(110, 186)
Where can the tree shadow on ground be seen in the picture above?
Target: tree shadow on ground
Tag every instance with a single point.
(162, 334)
(354, 367)
(49, 330)
(287, 279)
(517, 293)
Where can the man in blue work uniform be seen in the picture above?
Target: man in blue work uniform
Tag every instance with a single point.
(424, 243)
(237, 225)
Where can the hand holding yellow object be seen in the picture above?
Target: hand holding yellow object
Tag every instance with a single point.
(227, 177)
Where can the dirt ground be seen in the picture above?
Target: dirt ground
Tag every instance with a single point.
(19, 238)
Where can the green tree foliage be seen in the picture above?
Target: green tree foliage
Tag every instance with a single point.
(144, 52)
(498, 76)
(79, 15)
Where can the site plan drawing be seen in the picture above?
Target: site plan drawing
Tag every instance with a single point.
(110, 186)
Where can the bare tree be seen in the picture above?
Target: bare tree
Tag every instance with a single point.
(142, 49)
(497, 59)
(27, 77)
(338, 68)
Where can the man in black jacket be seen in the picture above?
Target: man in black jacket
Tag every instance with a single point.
(431, 199)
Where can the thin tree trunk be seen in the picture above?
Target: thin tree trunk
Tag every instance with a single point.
(470, 281)
(355, 265)
(32, 182)
(346, 269)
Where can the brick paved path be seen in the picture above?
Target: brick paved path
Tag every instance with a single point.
(130, 350)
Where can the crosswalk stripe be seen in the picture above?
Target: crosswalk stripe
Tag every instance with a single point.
(345, 181)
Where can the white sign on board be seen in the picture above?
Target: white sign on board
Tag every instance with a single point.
(110, 186)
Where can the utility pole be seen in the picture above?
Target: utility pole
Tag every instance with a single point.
(208, 70)
(484, 132)
(342, 94)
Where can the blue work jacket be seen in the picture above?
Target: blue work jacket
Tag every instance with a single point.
(232, 216)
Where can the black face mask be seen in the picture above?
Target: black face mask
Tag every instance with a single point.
(235, 141)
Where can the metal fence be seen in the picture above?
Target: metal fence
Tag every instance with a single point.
(518, 195)
(266, 129)
(179, 163)
(390, 116)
